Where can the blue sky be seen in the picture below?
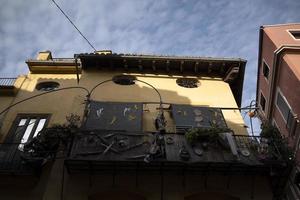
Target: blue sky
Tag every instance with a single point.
(219, 28)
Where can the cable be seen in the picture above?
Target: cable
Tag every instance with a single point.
(158, 93)
(251, 125)
(9, 107)
(73, 25)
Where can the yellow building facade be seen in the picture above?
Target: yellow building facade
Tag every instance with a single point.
(130, 142)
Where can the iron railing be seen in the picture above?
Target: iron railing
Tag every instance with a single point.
(260, 148)
(7, 82)
(251, 150)
(12, 162)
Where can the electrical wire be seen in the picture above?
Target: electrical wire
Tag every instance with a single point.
(56, 90)
(74, 25)
(251, 124)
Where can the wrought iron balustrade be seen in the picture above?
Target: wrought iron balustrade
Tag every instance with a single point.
(12, 161)
(7, 82)
(261, 148)
(103, 150)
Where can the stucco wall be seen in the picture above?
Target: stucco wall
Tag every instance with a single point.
(211, 92)
(268, 47)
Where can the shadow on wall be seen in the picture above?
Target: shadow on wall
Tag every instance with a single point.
(62, 103)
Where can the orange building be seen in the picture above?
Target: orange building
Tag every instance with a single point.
(278, 84)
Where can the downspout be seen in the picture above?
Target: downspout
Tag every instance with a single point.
(262, 116)
(259, 60)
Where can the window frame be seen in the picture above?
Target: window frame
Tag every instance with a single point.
(291, 113)
(292, 32)
(264, 63)
(13, 129)
(41, 86)
(189, 83)
(274, 123)
(262, 95)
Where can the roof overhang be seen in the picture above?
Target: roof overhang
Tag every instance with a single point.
(230, 70)
(53, 66)
(7, 86)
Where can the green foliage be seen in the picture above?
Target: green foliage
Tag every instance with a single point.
(50, 139)
(205, 134)
(278, 143)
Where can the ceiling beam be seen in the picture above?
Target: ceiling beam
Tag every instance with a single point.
(209, 69)
(125, 64)
(181, 66)
(196, 66)
(140, 65)
(167, 65)
(153, 65)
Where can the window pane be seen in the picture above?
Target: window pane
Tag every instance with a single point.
(22, 122)
(295, 34)
(27, 133)
(262, 102)
(283, 107)
(290, 119)
(39, 127)
(266, 70)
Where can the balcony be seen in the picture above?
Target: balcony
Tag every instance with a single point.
(7, 86)
(12, 161)
(7, 82)
(113, 151)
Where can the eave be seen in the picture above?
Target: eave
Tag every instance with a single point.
(53, 66)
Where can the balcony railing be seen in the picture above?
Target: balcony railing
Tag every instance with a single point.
(13, 163)
(7, 82)
(103, 150)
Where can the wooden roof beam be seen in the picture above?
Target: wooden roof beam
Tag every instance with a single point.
(222, 68)
(181, 66)
(153, 65)
(167, 65)
(140, 65)
(196, 66)
(111, 64)
(232, 74)
(125, 64)
(209, 69)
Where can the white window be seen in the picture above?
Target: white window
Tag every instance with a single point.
(265, 70)
(295, 34)
(262, 102)
(284, 109)
(27, 127)
(274, 123)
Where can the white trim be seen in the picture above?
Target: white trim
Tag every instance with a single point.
(262, 70)
(276, 25)
(285, 100)
(275, 123)
(290, 32)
